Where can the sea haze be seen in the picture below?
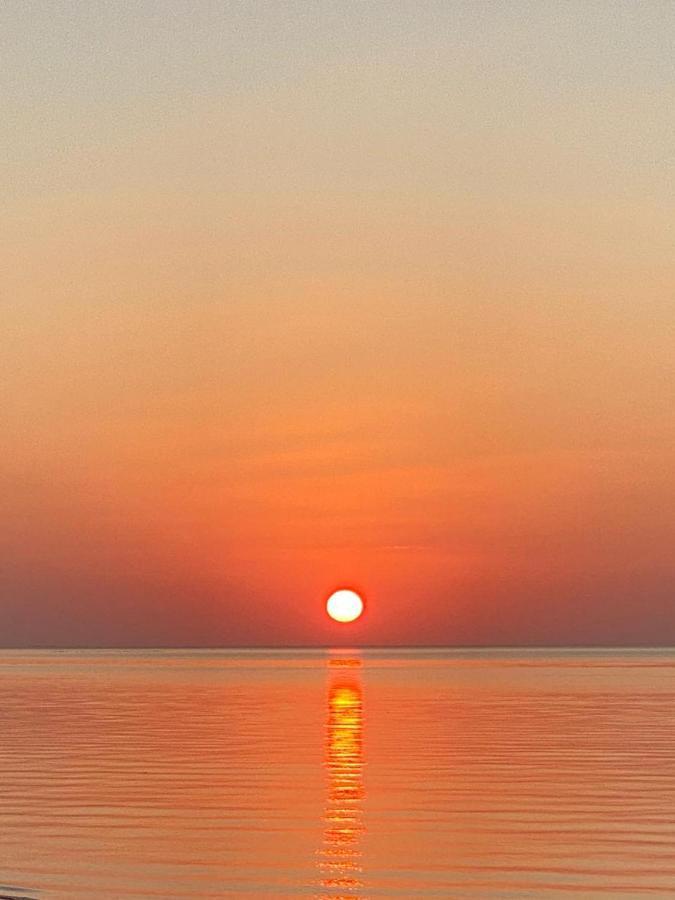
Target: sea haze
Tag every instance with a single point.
(337, 774)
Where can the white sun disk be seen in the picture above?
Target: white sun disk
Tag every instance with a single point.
(344, 606)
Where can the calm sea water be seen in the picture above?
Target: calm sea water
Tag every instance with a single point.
(337, 774)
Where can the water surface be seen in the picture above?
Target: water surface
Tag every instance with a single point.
(337, 774)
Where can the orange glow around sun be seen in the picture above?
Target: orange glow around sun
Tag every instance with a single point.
(344, 606)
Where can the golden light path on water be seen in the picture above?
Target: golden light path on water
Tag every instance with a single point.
(340, 854)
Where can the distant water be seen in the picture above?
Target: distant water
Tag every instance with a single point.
(200, 774)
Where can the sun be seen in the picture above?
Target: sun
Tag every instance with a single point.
(344, 606)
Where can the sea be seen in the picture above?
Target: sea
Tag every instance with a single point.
(337, 773)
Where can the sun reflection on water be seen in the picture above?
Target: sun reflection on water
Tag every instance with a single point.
(340, 853)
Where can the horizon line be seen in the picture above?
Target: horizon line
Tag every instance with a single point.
(352, 648)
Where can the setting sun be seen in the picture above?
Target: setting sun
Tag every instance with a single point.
(344, 606)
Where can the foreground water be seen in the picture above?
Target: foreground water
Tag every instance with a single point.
(330, 774)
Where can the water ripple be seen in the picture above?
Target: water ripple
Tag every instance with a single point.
(305, 774)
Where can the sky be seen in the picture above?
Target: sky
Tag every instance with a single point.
(306, 295)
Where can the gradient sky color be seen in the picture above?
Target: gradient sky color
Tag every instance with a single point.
(298, 296)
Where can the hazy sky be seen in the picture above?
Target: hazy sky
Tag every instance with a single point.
(297, 295)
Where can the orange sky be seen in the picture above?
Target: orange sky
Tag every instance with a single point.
(300, 297)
